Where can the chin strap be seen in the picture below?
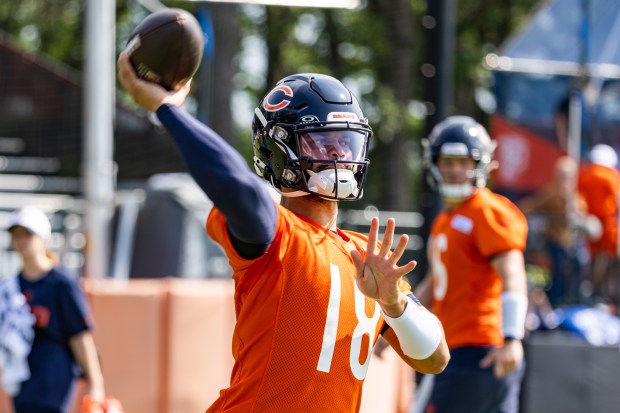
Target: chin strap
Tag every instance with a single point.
(295, 194)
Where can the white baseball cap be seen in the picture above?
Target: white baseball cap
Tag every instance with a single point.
(33, 220)
(605, 155)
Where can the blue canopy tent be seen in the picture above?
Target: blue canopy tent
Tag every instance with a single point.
(566, 60)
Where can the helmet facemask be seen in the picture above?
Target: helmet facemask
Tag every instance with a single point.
(330, 162)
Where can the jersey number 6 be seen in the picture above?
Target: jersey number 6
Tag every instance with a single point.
(439, 244)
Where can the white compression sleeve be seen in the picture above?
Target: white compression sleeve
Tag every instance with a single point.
(419, 332)
(514, 311)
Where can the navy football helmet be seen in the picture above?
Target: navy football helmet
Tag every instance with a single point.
(459, 136)
(310, 136)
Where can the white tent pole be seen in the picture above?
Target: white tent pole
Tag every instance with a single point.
(98, 165)
(575, 113)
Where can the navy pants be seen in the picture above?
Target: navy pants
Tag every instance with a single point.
(463, 387)
(30, 409)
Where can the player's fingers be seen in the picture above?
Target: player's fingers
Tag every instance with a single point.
(123, 63)
(405, 269)
(400, 249)
(388, 237)
(184, 90)
(358, 261)
(126, 75)
(372, 235)
(499, 371)
(122, 56)
(486, 362)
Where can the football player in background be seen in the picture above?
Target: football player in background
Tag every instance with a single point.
(310, 299)
(599, 184)
(477, 283)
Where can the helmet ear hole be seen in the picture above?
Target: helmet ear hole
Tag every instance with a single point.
(267, 173)
(267, 154)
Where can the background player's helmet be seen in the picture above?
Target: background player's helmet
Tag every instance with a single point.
(459, 136)
(295, 131)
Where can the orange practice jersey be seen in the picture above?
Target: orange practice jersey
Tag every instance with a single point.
(304, 332)
(599, 186)
(466, 288)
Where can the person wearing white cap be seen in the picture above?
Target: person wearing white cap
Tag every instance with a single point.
(63, 324)
(603, 155)
(599, 184)
(33, 220)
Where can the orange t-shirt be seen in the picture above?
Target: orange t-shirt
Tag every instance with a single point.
(466, 289)
(599, 187)
(304, 332)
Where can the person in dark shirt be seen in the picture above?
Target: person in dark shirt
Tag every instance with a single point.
(63, 343)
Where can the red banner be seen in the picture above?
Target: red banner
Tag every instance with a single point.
(525, 159)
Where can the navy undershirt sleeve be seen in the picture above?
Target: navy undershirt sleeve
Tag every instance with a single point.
(225, 177)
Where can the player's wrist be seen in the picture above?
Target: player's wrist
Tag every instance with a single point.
(418, 331)
(396, 307)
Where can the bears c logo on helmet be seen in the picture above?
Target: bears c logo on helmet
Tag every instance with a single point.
(282, 103)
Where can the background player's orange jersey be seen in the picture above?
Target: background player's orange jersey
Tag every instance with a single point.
(599, 186)
(304, 331)
(466, 288)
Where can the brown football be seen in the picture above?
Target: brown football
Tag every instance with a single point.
(166, 47)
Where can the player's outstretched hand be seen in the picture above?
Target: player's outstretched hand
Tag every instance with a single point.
(149, 95)
(378, 273)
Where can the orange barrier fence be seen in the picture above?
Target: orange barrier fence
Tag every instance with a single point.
(165, 347)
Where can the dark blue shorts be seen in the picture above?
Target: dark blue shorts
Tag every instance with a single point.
(32, 409)
(463, 387)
